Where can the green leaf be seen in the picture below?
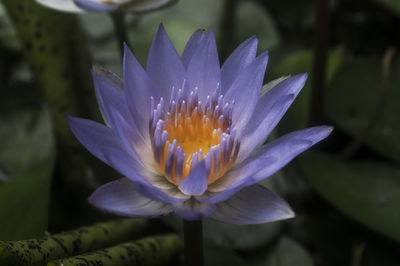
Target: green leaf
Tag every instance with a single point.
(286, 253)
(253, 19)
(364, 190)
(357, 87)
(393, 5)
(26, 160)
(25, 141)
(8, 35)
(216, 256)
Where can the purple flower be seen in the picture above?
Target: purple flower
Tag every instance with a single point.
(78, 6)
(187, 134)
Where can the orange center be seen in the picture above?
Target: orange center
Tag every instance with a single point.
(190, 133)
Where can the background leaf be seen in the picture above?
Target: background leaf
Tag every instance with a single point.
(364, 190)
(287, 252)
(357, 87)
(26, 159)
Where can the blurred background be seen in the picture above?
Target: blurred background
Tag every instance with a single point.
(345, 191)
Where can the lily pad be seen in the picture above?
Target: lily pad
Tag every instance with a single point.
(357, 87)
(367, 191)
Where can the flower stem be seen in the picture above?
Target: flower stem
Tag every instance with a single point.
(118, 19)
(193, 243)
(321, 47)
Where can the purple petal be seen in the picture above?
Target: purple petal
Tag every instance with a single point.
(276, 154)
(241, 172)
(110, 77)
(103, 143)
(203, 70)
(148, 183)
(109, 97)
(95, 137)
(120, 197)
(243, 55)
(95, 6)
(146, 5)
(253, 205)
(164, 66)
(194, 42)
(196, 182)
(269, 111)
(138, 89)
(193, 210)
(235, 180)
(170, 195)
(116, 113)
(286, 148)
(131, 138)
(249, 84)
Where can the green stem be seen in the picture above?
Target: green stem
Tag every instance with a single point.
(118, 19)
(84, 239)
(321, 45)
(193, 243)
(159, 250)
(227, 32)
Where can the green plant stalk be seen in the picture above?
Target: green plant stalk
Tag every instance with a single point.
(193, 240)
(158, 250)
(84, 239)
(118, 19)
(55, 50)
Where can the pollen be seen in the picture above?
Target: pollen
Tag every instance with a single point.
(188, 131)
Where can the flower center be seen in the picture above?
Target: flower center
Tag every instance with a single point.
(188, 131)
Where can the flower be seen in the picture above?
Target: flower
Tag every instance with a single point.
(105, 5)
(187, 133)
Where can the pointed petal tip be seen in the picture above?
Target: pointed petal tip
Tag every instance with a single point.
(72, 121)
(302, 77)
(195, 184)
(201, 30)
(328, 130)
(263, 57)
(160, 30)
(324, 131)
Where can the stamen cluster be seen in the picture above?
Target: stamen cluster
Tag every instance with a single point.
(188, 131)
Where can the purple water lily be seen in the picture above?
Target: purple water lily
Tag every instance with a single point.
(187, 134)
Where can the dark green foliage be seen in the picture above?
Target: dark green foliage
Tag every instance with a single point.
(365, 190)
